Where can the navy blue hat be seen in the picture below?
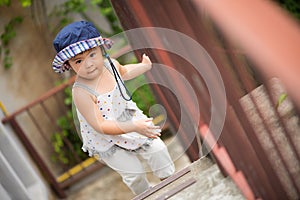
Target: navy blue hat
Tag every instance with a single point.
(73, 39)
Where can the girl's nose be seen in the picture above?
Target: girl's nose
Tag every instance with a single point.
(88, 62)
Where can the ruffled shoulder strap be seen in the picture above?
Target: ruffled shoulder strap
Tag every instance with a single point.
(93, 92)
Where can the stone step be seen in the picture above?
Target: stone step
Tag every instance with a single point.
(201, 180)
(204, 181)
(223, 189)
(210, 184)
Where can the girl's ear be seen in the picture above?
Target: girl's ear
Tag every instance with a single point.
(67, 63)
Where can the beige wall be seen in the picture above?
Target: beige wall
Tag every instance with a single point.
(31, 74)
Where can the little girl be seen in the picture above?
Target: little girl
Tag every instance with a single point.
(112, 127)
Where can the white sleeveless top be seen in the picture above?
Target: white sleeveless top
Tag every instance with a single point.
(112, 107)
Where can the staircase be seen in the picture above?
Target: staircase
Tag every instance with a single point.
(201, 180)
(18, 178)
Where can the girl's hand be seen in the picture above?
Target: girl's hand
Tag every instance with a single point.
(130, 71)
(145, 127)
(146, 60)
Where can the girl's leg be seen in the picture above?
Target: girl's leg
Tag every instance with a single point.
(159, 160)
(130, 168)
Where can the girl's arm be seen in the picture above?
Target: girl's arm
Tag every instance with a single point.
(86, 105)
(131, 71)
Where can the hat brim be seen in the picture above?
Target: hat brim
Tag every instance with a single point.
(59, 64)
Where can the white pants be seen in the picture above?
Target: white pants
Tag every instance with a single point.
(129, 166)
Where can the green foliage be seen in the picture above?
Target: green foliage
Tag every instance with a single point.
(8, 34)
(9, 31)
(64, 13)
(62, 152)
(107, 11)
(24, 3)
(4, 2)
(292, 6)
(143, 95)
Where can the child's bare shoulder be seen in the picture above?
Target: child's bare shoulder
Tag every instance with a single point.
(80, 95)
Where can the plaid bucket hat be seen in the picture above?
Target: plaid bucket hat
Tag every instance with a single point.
(73, 39)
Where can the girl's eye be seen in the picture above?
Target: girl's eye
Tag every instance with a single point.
(93, 54)
(78, 62)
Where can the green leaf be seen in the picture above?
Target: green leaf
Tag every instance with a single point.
(281, 98)
(70, 114)
(25, 3)
(106, 11)
(68, 101)
(17, 20)
(56, 147)
(7, 62)
(65, 133)
(96, 2)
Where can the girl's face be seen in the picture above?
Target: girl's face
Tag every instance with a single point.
(89, 64)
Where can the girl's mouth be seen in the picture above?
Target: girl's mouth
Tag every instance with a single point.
(92, 71)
